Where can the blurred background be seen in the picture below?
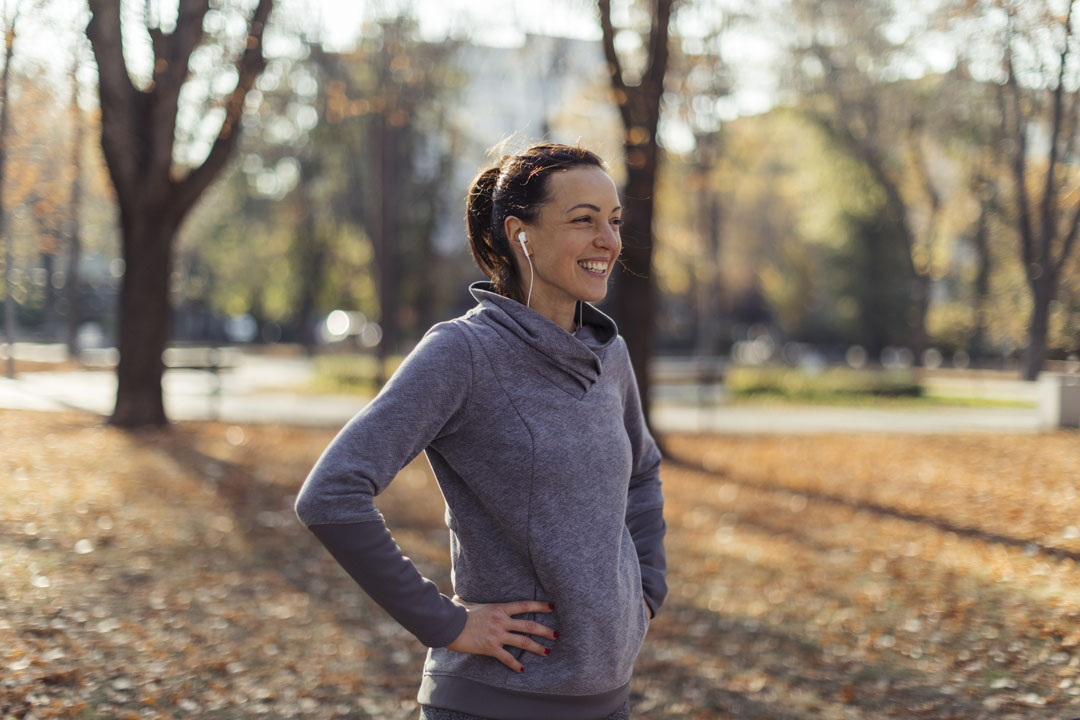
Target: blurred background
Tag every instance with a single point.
(844, 197)
(849, 244)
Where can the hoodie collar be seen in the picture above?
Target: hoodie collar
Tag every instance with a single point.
(571, 362)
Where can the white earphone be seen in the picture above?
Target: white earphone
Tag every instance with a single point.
(521, 239)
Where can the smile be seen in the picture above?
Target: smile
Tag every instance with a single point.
(599, 269)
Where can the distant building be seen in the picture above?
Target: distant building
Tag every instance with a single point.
(549, 88)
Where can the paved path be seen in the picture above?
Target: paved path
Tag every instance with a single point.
(252, 392)
(794, 419)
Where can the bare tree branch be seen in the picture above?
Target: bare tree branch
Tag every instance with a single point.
(658, 48)
(171, 69)
(1018, 158)
(170, 72)
(1048, 219)
(117, 91)
(614, 65)
(250, 64)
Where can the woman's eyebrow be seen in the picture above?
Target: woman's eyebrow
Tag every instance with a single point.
(592, 207)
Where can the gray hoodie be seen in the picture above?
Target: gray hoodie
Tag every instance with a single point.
(552, 490)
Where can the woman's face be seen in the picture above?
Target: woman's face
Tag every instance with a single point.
(575, 240)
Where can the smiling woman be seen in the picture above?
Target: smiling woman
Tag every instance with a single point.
(574, 243)
(528, 411)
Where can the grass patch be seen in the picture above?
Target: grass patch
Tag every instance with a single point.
(350, 374)
(829, 385)
(880, 401)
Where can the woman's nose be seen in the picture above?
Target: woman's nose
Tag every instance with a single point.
(608, 237)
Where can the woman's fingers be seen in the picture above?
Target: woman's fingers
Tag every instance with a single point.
(526, 606)
(508, 660)
(526, 643)
(531, 627)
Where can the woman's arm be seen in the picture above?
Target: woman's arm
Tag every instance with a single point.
(645, 500)
(426, 398)
(369, 554)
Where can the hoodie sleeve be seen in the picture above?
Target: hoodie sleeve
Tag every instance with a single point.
(426, 398)
(645, 500)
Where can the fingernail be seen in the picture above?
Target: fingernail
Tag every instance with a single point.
(547, 651)
(556, 634)
(522, 669)
(551, 605)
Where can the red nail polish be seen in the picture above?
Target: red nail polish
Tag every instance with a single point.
(551, 605)
(522, 669)
(547, 651)
(556, 635)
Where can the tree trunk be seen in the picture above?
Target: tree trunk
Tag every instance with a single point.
(72, 277)
(709, 309)
(1042, 292)
(387, 240)
(48, 314)
(977, 343)
(145, 321)
(635, 298)
(72, 282)
(9, 301)
(920, 339)
(312, 262)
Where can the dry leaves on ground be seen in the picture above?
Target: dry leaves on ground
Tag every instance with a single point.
(163, 574)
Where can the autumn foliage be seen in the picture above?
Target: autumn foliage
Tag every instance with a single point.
(162, 574)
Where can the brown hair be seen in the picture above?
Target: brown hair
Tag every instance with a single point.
(515, 186)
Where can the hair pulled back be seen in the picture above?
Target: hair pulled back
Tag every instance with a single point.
(515, 186)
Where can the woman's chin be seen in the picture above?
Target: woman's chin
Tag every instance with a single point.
(595, 293)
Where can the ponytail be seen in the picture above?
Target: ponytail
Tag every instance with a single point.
(487, 243)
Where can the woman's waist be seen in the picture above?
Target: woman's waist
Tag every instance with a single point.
(488, 698)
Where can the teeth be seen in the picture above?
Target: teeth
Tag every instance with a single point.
(595, 267)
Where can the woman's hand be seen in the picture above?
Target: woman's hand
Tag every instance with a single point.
(489, 627)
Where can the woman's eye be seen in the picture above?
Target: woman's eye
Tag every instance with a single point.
(617, 222)
(584, 219)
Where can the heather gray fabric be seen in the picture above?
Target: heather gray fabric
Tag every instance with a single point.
(433, 713)
(552, 491)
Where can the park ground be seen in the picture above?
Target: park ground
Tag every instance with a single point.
(162, 574)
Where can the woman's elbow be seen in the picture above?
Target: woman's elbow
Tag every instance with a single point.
(306, 507)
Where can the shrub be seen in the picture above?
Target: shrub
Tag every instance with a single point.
(795, 384)
(349, 373)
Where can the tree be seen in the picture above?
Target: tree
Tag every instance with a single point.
(345, 158)
(138, 139)
(9, 301)
(700, 77)
(846, 68)
(73, 279)
(639, 108)
(1038, 95)
(386, 107)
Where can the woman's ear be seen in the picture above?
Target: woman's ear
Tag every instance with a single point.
(514, 227)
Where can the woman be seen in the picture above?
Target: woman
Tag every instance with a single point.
(528, 411)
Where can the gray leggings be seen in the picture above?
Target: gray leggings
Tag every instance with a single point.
(428, 712)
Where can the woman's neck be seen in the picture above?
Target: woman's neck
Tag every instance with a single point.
(561, 312)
